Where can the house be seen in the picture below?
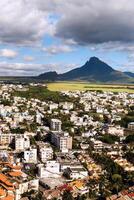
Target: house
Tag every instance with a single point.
(131, 126)
(97, 145)
(53, 106)
(66, 105)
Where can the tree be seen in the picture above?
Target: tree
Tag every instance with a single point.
(129, 139)
(67, 195)
(117, 182)
(130, 156)
(38, 196)
(110, 139)
(82, 197)
(32, 141)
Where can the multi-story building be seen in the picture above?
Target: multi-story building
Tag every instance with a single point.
(62, 140)
(55, 125)
(45, 151)
(30, 156)
(76, 173)
(5, 140)
(22, 143)
(52, 169)
(39, 117)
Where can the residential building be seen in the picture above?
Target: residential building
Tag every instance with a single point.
(131, 126)
(76, 173)
(62, 140)
(30, 156)
(55, 125)
(22, 142)
(51, 169)
(45, 151)
(5, 140)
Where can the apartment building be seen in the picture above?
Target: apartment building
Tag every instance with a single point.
(51, 169)
(30, 156)
(45, 151)
(55, 125)
(5, 140)
(22, 142)
(62, 140)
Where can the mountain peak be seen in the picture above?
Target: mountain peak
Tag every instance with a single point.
(93, 59)
(93, 70)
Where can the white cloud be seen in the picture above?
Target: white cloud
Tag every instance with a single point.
(22, 69)
(8, 53)
(129, 66)
(22, 23)
(105, 25)
(56, 49)
(113, 46)
(28, 69)
(89, 21)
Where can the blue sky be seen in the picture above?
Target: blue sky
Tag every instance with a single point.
(57, 35)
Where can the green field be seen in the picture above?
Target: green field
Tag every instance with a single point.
(72, 86)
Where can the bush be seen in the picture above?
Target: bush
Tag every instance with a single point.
(110, 139)
(42, 94)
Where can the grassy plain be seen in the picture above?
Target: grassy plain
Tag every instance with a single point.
(63, 86)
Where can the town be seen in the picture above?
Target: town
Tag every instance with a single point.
(65, 145)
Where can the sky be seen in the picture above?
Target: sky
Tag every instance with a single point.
(38, 36)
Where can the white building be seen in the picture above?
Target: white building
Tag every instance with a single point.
(115, 130)
(52, 169)
(98, 145)
(55, 125)
(30, 156)
(53, 106)
(22, 143)
(39, 117)
(26, 187)
(66, 105)
(76, 173)
(45, 151)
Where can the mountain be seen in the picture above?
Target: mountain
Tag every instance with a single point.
(48, 76)
(131, 74)
(93, 70)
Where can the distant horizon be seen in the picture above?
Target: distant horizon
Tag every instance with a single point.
(62, 72)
